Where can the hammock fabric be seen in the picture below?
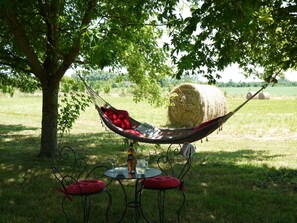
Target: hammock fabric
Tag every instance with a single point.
(121, 123)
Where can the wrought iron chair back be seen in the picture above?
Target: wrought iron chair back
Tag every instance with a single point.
(169, 162)
(77, 178)
(67, 167)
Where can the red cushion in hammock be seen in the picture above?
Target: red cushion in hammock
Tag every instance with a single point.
(118, 117)
(134, 132)
(85, 187)
(161, 182)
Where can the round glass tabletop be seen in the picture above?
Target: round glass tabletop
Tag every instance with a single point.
(122, 173)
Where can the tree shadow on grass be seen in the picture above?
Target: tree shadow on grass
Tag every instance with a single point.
(6, 129)
(218, 189)
(16, 139)
(236, 156)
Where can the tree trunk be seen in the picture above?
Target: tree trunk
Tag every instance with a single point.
(49, 119)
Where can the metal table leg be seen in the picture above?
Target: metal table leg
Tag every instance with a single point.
(136, 203)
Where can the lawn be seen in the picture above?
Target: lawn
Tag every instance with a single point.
(245, 173)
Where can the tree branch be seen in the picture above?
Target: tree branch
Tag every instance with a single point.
(24, 44)
(71, 56)
(15, 65)
(49, 12)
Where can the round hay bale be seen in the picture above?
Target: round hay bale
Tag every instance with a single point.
(193, 104)
(264, 95)
(250, 94)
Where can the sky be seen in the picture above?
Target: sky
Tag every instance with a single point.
(233, 73)
(291, 75)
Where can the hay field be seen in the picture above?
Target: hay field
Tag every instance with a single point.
(272, 123)
(245, 173)
(274, 91)
(268, 126)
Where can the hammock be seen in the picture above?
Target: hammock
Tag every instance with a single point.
(121, 123)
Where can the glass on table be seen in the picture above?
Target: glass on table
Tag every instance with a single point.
(146, 162)
(141, 166)
(146, 159)
(113, 161)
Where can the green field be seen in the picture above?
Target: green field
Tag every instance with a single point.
(274, 91)
(245, 173)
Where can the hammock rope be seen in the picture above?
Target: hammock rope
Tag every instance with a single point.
(165, 135)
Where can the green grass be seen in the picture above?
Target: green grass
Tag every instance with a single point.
(245, 173)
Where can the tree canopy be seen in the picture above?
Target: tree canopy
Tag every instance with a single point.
(41, 40)
(254, 34)
(39, 37)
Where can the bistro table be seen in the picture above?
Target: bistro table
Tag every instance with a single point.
(121, 173)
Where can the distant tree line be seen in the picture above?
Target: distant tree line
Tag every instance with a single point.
(106, 81)
(281, 82)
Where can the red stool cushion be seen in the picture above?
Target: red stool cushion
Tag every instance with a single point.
(85, 187)
(161, 182)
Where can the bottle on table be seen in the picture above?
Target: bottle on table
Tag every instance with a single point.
(131, 159)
